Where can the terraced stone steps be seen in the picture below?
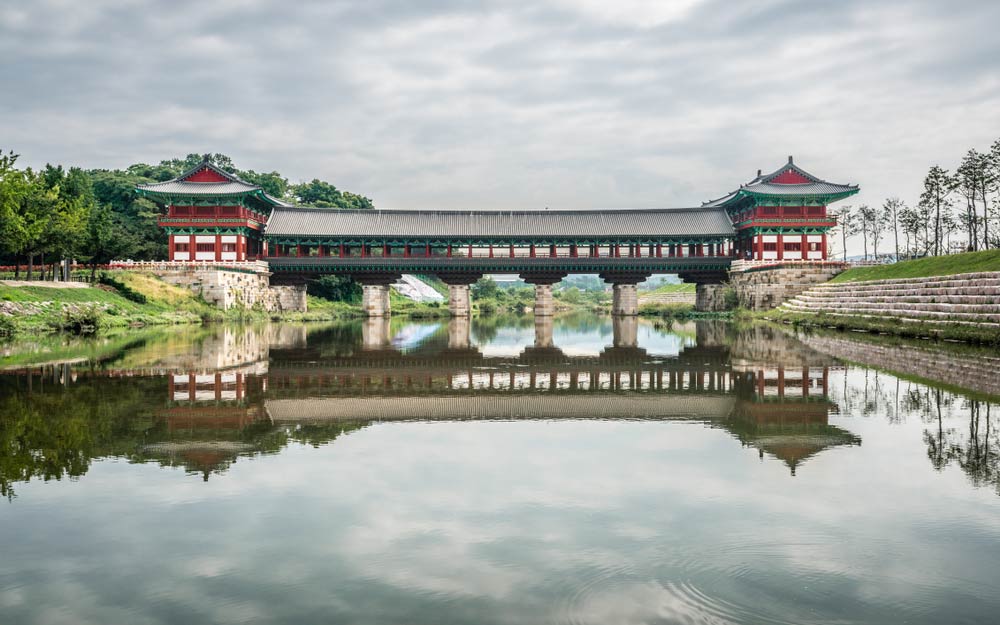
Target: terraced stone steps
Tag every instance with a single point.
(972, 298)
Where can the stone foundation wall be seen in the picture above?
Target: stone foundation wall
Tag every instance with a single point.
(762, 287)
(710, 297)
(229, 289)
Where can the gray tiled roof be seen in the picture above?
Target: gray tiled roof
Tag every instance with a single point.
(763, 185)
(286, 221)
(234, 185)
(199, 188)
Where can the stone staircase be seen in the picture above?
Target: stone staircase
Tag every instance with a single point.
(972, 298)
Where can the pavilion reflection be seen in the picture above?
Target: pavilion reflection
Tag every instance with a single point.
(237, 392)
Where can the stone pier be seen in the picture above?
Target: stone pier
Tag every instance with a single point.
(459, 304)
(625, 300)
(544, 304)
(710, 297)
(625, 292)
(375, 301)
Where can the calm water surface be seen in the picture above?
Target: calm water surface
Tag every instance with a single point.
(581, 471)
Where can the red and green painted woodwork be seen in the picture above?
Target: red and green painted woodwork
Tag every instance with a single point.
(402, 248)
(318, 255)
(782, 227)
(206, 226)
(213, 243)
(213, 231)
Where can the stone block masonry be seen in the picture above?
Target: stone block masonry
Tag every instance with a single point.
(761, 286)
(969, 298)
(246, 286)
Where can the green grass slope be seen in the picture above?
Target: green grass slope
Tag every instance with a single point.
(970, 262)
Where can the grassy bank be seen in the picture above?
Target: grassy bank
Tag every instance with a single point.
(966, 333)
(129, 299)
(970, 262)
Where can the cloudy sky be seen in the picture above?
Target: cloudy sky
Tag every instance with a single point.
(560, 103)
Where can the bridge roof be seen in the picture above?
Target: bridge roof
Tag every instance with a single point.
(298, 221)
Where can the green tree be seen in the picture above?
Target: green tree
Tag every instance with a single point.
(847, 223)
(318, 193)
(893, 207)
(938, 186)
(14, 188)
(485, 288)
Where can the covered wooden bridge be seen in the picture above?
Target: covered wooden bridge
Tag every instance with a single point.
(376, 247)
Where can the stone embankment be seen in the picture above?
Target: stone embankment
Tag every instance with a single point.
(679, 297)
(246, 286)
(975, 372)
(766, 285)
(969, 298)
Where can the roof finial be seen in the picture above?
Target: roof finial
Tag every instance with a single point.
(790, 160)
(758, 173)
(206, 158)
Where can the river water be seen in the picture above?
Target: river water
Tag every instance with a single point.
(507, 471)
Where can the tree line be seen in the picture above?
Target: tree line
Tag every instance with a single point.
(958, 211)
(95, 215)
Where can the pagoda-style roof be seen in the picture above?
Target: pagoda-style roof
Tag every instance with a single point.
(442, 224)
(203, 181)
(789, 181)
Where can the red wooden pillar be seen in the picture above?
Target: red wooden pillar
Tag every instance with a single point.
(618, 250)
(759, 242)
(597, 250)
(264, 247)
(805, 246)
(406, 251)
(781, 247)
(385, 249)
(572, 250)
(822, 246)
(172, 247)
(427, 250)
(531, 250)
(341, 250)
(470, 250)
(364, 249)
(491, 250)
(552, 251)
(449, 250)
(512, 250)
(218, 247)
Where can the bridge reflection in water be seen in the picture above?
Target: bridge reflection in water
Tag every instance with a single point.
(770, 392)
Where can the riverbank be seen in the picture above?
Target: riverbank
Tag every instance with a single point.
(127, 299)
(952, 298)
(974, 334)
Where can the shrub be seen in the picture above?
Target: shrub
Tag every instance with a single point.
(81, 320)
(7, 326)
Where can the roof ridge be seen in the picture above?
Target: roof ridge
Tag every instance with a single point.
(205, 162)
(789, 165)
